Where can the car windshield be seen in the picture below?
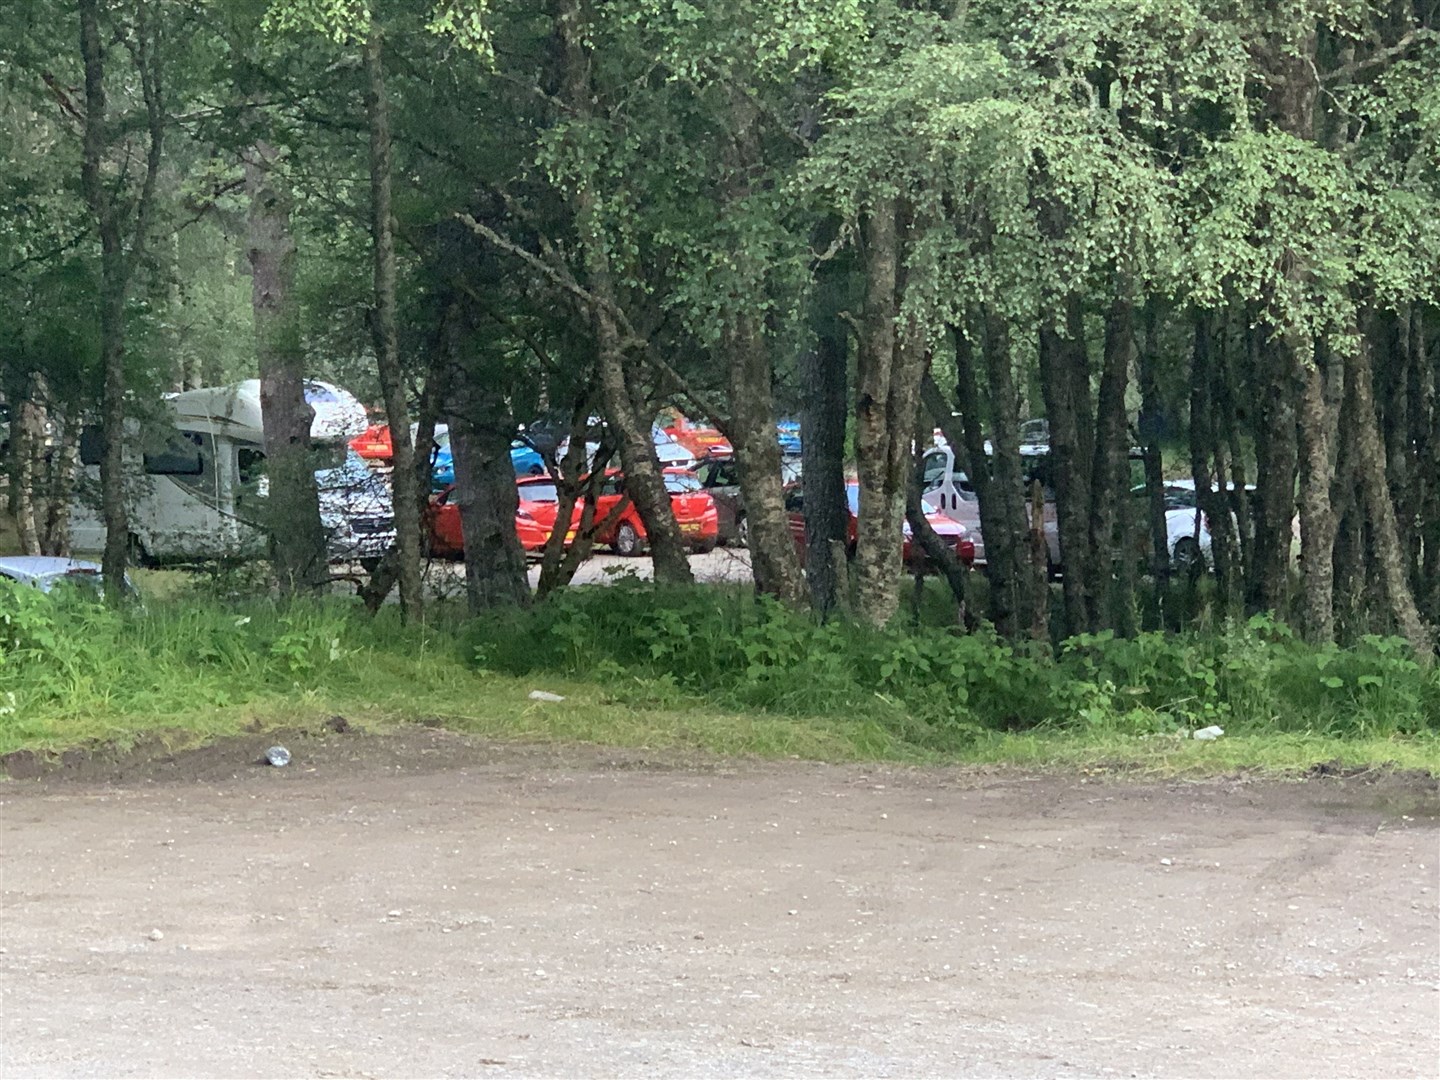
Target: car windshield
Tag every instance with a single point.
(852, 498)
(545, 493)
(681, 483)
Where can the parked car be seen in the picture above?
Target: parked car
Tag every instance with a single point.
(46, 572)
(694, 512)
(950, 531)
(374, 444)
(719, 476)
(788, 432)
(1189, 547)
(701, 440)
(534, 518)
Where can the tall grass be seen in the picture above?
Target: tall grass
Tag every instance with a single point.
(646, 666)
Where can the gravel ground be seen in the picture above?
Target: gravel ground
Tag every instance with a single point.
(428, 905)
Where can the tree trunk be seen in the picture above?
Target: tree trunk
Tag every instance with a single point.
(1065, 371)
(117, 264)
(485, 490)
(891, 363)
(1318, 522)
(1380, 509)
(27, 444)
(1276, 459)
(643, 481)
(1110, 476)
(64, 465)
(823, 379)
(773, 562)
(297, 538)
(757, 457)
(998, 477)
(1151, 413)
(1426, 426)
(387, 348)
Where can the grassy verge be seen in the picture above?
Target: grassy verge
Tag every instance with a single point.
(700, 672)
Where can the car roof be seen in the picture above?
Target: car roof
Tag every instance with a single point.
(44, 570)
(38, 566)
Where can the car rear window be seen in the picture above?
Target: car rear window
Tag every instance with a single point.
(681, 483)
(539, 493)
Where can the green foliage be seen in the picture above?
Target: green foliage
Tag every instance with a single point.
(935, 687)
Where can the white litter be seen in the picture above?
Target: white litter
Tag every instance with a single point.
(1209, 734)
(545, 695)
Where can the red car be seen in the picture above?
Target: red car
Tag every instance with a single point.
(952, 532)
(374, 444)
(694, 513)
(534, 518)
(699, 439)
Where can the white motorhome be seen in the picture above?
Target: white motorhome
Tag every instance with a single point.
(196, 489)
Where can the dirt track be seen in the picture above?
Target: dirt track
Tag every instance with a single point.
(422, 905)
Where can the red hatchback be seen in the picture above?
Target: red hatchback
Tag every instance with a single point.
(952, 532)
(534, 518)
(693, 506)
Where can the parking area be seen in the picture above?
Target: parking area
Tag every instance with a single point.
(428, 905)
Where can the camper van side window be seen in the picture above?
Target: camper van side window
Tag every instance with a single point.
(92, 445)
(180, 457)
(251, 464)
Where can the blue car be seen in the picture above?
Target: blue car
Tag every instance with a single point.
(788, 432)
(525, 460)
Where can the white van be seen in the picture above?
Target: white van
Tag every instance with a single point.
(195, 490)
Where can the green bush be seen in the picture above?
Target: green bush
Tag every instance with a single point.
(936, 685)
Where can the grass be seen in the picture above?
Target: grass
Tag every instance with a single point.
(190, 669)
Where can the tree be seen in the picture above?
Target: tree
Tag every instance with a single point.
(123, 220)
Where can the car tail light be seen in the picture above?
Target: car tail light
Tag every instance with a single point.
(965, 548)
(524, 515)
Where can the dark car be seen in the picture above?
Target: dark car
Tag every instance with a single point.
(719, 477)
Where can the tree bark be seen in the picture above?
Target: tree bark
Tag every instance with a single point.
(1370, 469)
(1318, 523)
(297, 538)
(117, 264)
(773, 562)
(27, 434)
(387, 348)
(1110, 474)
(1276, 456)
(1065, 372)
(643, 480)
(485, 490)
(1151, 413)
(891, 363)
(823, 379)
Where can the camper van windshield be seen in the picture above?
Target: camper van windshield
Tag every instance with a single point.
(327, 455)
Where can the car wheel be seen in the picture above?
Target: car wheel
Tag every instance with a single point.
(627, 540)
(742, 531)
(704, 547)
(1187, 558)
(370, 564)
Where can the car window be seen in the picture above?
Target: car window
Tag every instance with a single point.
(795, 501)
(545, 493)
(934, 471)
(611, 486)
(681, 483)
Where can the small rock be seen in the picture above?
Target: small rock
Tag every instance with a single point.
(394, 914)
(156, 935)
(545, 695)
(792, 911)
(1166, 862)
(278, 756)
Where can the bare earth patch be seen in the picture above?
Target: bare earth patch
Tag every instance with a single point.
(428, 905)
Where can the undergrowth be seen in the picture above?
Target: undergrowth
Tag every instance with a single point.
(712, 668)
(933, 686)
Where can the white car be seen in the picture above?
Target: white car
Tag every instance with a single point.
(1187, 530)
(44, 572)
